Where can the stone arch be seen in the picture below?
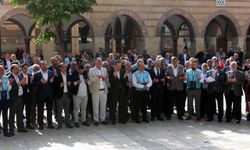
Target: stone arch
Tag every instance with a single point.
(13, 12)
(179, 12)
(224, 14)
(130, 14)
(246, 27)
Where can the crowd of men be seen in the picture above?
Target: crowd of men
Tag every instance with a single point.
(79, 91)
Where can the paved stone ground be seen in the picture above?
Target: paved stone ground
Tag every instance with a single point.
(174, 134)
(156, 135)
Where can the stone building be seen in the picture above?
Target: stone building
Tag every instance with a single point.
(153, 25)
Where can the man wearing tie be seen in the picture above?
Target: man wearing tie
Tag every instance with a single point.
(175, 76)
(16, 105)
(157, 89)
(215, 91)
(142, 82)
(98, 78)
(43, 80)
(235, 80)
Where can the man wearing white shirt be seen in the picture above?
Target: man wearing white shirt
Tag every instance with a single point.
(16, 106)
(80, 96)
(142, 82)
(98, 78)
(62, 83)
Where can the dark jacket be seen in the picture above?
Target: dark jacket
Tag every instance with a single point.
(218, 85)
(117, 86)
(237, 87)
(14, 90)
(75, 78)
(44, 91)
(58, 91)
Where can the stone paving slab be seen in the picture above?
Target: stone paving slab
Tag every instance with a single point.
(174, 134)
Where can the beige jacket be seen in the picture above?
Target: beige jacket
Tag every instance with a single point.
(94, 82)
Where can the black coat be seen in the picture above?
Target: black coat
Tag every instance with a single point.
(58, 90)
(75, 78)
(44, 91)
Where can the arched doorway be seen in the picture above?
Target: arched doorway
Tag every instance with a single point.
(16, 28)
(79, 35)
(177, 33)
(123, 33)
(221, 33)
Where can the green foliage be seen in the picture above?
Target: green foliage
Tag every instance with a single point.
(51, 14)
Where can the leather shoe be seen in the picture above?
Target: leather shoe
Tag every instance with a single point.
(41, 128)
(22, 130)
(59, 126)
(160, 119)
(238, 121)
(30, 127)
(104, 123)
(7, 134)
(69, 126)
(51, 127)
(77, 125)
(145, 120)
(96, 123)
(85, 124)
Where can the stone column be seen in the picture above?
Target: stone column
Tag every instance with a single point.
(48, 50)
(75, 41)
(200, 44)
(99, 41)
(152, 45)
(241, 43)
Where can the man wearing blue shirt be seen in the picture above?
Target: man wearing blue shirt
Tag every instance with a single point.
(142, 82)
(193, 89)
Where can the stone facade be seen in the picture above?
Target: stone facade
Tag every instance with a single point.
(150, 15)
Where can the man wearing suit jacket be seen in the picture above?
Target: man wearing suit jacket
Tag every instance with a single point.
(80, 95)
(215, 91)
(98, 78)
(44, 79)
(62, 83)
(235, 80)
(7, 62)
(175, 75)
(184, 56)
(157, 89)
(16, 105)
(26, 97)
(117, 92)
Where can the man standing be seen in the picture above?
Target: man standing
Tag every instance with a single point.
(117, 92)
(175, 75)
(215, 91)
(98, 78)
(235, 80)
(62, 83)
(5, 88)
(157, 89)
(142, 82)
(193, 89)
(80, 95)
(26, 97)
(16, 105)
(43, 80)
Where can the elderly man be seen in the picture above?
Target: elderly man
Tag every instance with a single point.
(98, 78)
(235, 80)
(175, 75)
(157, 89)
(142, 82)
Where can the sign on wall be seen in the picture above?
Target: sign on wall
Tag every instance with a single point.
(220, 3)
